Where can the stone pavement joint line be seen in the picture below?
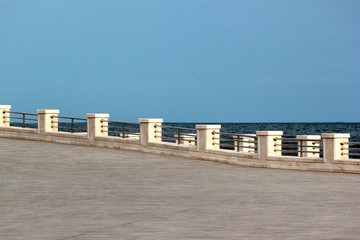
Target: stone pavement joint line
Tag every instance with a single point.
(56, 192)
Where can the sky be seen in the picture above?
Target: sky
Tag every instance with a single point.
(183, 61)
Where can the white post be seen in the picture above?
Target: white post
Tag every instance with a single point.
(46, 120)
(244, 143)
(208, 137)
(95, 126)
(268, 144)
(333, 144)
(150, 130)
(4, 113)
(307, 147)
(185, 138)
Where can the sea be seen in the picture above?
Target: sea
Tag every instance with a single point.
(289, 129)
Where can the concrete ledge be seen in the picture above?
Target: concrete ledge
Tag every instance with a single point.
(296, 159)
(118, 139)
(234, 153)
(347, 162)
(19, 129)
(175, 146)
(68, 135)
(188, 151)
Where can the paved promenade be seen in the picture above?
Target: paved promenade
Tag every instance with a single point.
(55, 192)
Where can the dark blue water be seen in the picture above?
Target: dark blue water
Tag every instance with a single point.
(289, 129)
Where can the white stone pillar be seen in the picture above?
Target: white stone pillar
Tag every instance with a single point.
(244, 143)
(332, 144)
(308, 145)
(96, 127)
(150, 130)
(206, 138)
(266, 144)
(47, 121)
(4, 115)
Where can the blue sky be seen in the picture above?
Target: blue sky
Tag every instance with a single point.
(194, 61)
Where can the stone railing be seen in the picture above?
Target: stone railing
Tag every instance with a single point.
(311, 152)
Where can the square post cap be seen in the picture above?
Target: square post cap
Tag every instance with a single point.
(55, 111)
(97, 115)
(150, 120)
(335, 135)
(269, 133)
(210, 126)
(5, 106)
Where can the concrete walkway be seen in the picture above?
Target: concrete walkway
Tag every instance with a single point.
(53, 191)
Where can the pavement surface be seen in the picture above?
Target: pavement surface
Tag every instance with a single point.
(54, 191)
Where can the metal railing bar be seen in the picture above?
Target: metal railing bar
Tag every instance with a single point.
(82, 119)
(287, 145)
(187, 129)
(232, 140)
(30, 119)
(31, 114)
(351, 143)
(354, 149)
(233, 134)
(288, 151)
(310, 146)
(82, 129)
(295, 151)
(232, 146)
(297, 139)
(351, 154)
(116, 127)
(24, 125)
(102, 120)
(176, 138)
(310, 152)
(82, 124)
(134, 133)
(181, 133)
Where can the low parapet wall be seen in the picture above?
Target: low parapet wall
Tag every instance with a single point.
(268, 154)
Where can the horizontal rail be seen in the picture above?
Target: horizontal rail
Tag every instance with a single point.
(82, 119)
(350, 143)
(297, 146)
(122, 128)
(176, 138)
(83, 124)
(21, 123)
(229, 145)
(351, 154)
(31, 114)
(184, 134)
(354, 149)
(133, 133)
(29, 119)
(233, 134)
(297, 139)
(295, 151)
(232, 140)
(129, 123)
(178, 128)
(82, 129)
